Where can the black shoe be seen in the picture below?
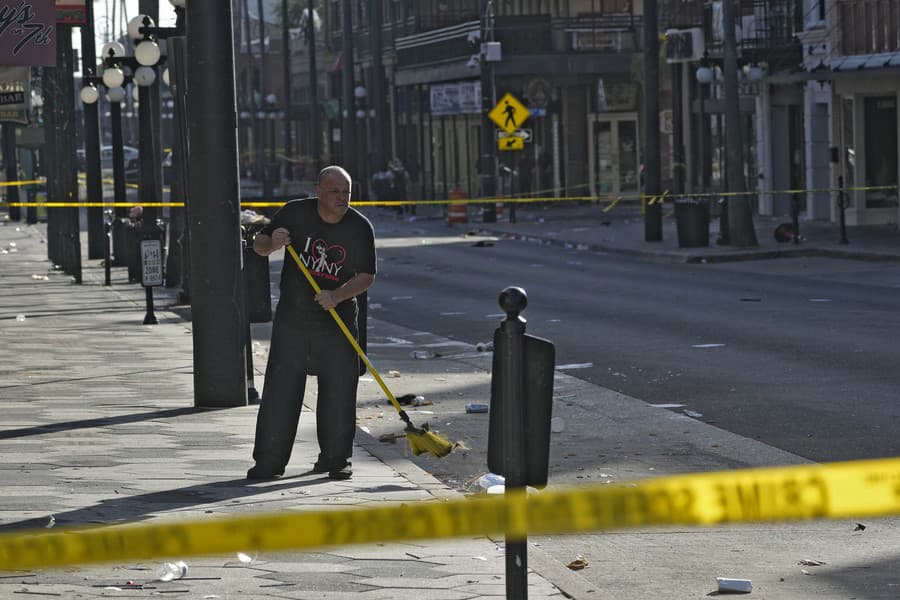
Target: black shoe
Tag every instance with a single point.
(261, 472)
(319, 468)
(345, 472)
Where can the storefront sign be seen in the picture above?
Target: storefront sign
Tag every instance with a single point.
(27, 32)
(458, 98)
(71, 12)
(15, 90)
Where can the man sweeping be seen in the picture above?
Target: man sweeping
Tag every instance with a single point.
(336, 245)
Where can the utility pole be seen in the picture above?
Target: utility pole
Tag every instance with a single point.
(653, 214)
(740, 213)
(217, 295)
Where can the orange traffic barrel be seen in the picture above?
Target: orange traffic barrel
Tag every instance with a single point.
(457, 213)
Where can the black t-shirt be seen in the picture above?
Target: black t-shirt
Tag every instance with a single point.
(332, 252)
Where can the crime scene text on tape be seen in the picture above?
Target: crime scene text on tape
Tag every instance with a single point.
(835, 490)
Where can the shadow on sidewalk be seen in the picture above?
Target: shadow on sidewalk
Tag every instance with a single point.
(100, 422)
(139, 507)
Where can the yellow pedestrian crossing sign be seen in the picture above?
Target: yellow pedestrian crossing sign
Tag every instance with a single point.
(512, 142)
(509, 114)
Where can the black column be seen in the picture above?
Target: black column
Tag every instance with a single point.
(348, 134)
(314, 128)
(651, 187)
(377, 91)
(148, 133)
(96, 235)
(220, 375)
(63, 237)
(11, 165)
(488, 161)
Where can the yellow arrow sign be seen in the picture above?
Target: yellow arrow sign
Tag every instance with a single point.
(511, 143)
(509, 114)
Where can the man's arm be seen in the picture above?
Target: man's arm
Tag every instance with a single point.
(265, 245)
(359, 283)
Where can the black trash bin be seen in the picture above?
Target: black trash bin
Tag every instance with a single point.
(692, 221)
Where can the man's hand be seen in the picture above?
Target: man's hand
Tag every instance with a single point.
(281, 237)
(265, 245)
(327, 299)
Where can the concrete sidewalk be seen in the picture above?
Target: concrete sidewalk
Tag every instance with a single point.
(98, 427)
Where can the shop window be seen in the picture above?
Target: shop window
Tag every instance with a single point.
(880, 122)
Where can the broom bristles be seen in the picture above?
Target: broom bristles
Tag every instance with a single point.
(427, 441)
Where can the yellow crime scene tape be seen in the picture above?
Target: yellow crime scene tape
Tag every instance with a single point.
(825, 491)
(613, 201)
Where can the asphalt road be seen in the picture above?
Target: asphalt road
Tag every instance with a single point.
(797, 353)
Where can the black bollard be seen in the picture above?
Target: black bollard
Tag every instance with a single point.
(509, 344)
(519, 427)
(107, 240)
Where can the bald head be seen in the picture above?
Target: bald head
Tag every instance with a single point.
(333, 170)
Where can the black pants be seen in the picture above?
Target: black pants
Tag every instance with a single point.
(300, 348)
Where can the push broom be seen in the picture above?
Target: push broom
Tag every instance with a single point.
(421, 440)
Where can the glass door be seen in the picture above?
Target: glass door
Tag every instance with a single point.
(613, 153)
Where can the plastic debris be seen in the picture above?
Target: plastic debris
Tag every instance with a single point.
(557, 425)
(20, 318)
(484, 347)
(492, 483)
(476, 407)
(393, 373)
(809, 562)
(574, 366)
(244, 558)
(421, 354)
(859, 527)
(739, 586)
(50, 522)
(421, 401)
(577, 564)
(37, 277)
(170, 571)
(693, 413)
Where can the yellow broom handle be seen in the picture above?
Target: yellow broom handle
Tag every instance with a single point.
(346, 331)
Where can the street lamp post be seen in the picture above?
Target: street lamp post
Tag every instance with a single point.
(360, 93)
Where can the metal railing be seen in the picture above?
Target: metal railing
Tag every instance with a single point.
(868, 26)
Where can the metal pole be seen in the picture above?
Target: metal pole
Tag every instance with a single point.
(12, 169)
(314, 128)
(148, 134)
(286, 75)
(348, 134)
(740, 216)
(842, 205)
(120, 252)
(220, 376)
(180, 159)
(511, 339)
(653, 216)
(95, 221)
(488, 166)
(377, 92)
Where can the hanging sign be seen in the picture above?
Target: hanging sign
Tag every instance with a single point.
(27, 32)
